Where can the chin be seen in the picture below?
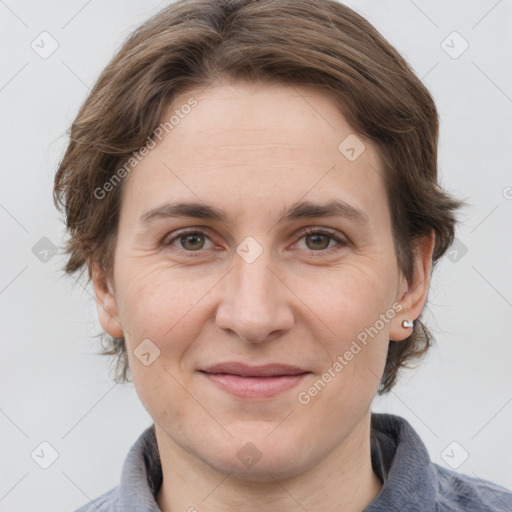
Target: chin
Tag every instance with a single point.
(267, 469)
(261, 459)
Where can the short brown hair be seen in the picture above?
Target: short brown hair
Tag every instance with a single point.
(188, 45)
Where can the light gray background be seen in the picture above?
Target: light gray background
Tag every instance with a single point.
(55, 389)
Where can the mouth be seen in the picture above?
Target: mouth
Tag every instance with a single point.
(246, 381)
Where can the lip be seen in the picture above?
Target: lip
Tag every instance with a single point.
(245, 370)
(263, 381)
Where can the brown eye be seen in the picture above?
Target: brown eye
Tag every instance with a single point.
(189, 241)
(192, 241)
(317, 241)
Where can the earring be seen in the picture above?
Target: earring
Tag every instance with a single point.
(407, 324)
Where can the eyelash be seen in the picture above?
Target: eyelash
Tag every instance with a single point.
(341, 242)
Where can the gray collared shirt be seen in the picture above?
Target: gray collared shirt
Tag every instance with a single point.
(411, 482)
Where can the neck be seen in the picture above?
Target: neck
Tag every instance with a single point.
(343, 481)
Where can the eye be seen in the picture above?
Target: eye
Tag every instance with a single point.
(316, 240)
(189, 241)
(319, 240)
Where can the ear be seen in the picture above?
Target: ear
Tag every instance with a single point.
(106, 303)
(412, 296)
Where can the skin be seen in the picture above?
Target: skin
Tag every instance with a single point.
(253, 150)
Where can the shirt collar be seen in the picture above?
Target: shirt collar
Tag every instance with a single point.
(141, 476)
(399, 458)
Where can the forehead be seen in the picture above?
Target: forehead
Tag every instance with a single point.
(283, 117)
(250, 142)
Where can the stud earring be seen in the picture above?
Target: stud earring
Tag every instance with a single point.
(407, 324)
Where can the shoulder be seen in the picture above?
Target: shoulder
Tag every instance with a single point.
(460, 492)
(412, 482)
(106, 503)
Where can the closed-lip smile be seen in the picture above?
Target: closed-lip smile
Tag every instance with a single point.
(254, 381)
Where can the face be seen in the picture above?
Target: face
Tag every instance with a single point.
(251, 276)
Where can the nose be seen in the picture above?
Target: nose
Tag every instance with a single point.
(255, 303)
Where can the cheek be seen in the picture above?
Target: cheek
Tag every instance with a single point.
(355, 344)
(353, 311)
(164, 396)
(159, 304)
(349, 298)
(156, 298)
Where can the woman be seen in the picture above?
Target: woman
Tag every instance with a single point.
(252, 188)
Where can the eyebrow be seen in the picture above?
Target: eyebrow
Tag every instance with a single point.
(299, 210)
